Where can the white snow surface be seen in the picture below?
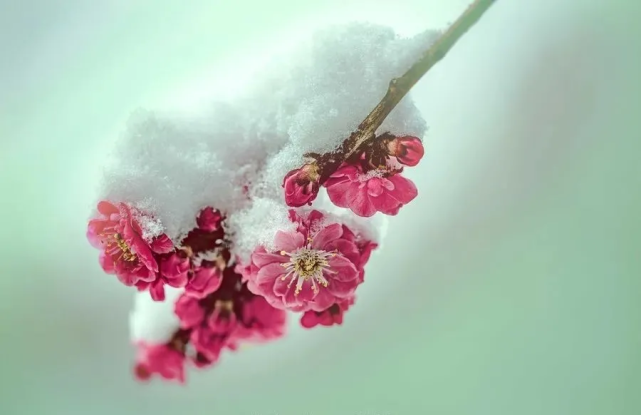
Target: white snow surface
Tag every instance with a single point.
(154, 321)
(171, 164)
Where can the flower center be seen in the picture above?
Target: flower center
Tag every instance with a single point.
(115, 244)
(306, 264)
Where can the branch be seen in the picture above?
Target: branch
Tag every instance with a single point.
(327, 163)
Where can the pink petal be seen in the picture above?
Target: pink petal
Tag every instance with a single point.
(341, 289)
(326, 235)
(339, 193)
(260, 259)
(360, 203)
(162, 245)
(107, 263)
(126, 276)
(269, 272)
(139, 247)
(347, 248)
(345, 269)
(323, 300)
(107, 208)
(375, 187)
(177, 281)
(189, 311)
(157, 291)
(404, 189)
(205, 281)
(209, 219)
(387, 204)
(288, 241)
(94, 228)
(290, 301)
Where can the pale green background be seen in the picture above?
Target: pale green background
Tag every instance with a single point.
(510, 286)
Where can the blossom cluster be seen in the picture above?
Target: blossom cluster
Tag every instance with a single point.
(313, 269)
(251, 237)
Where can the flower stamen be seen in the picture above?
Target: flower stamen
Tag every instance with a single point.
(307, 264)
(118, 243)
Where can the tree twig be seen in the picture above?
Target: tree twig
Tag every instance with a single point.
(327, 163)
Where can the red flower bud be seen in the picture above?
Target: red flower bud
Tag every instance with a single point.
(301, 185)
(408, 150)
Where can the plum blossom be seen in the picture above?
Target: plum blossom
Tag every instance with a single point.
(310, 270)
(164, 360)
(209, 219)
(301, 185)
(124, 252)
(198, 261)
(366, 192)
(210, 343)
(205, 279)
(408, 150)
(260, 321)
(174, 270)
(365, 248)
(329, 317)
(222, 319)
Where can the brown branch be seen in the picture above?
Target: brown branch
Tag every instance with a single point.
(327, 163)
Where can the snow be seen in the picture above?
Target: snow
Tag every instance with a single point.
(172, 163)
(154, 321)
(257, 225)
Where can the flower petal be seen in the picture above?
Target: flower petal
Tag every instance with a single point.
(269, 272)
(162, 244)
(107, 208)
(288, 241)
(344, 268)
(326, 235)
(260, 259)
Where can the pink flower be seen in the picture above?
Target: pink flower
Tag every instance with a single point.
(245, 270)
(365, 193)
(259, 321)
(329, 317)
(301, 185)
(209, 219)
(208, 343)
(124, 252)
(365, 248)
(408, 150)
(189, 311)
(159, 359)
(223, 317)
(215, 333)
(174, 269)
(205, 280)
(311, 271)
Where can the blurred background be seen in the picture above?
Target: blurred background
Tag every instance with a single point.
(510, 286)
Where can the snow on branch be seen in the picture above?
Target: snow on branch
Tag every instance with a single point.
(216, 217)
